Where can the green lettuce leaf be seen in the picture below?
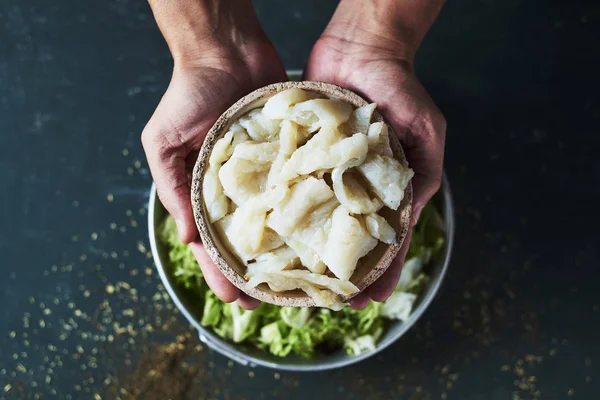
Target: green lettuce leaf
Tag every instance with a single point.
(213, 310)
(184, 266)
(295, 317)
(272, 339)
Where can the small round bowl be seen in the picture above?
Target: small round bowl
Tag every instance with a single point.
(369, 268)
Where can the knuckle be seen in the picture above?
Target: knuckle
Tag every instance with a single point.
(151, 136)
(164, 138)
(436, 182)
(433, 122)
(146, 137)
(440, 122)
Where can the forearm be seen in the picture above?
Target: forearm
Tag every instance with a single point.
(398, 25)
(196, 29)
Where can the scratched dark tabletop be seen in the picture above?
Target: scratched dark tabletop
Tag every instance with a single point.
(519, 314)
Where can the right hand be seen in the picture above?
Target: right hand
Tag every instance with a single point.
(199, 92)
(369, 47)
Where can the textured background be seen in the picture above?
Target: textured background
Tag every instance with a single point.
(519, 314)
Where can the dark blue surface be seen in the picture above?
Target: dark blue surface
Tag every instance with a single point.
(519, 313)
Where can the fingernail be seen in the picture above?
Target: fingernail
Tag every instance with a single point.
(417, 214)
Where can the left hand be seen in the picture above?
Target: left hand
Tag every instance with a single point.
(214, 66)
(371, 65)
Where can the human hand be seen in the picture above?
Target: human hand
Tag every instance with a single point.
(211, 71)
(372, 55)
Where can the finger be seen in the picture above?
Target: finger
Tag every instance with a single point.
(168, 167)
(213, 276)
(360, 301)
(426, 160)
(383, 287)
(247, 302)
(423, 138)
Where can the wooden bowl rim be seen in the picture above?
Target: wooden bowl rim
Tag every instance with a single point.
(221, 126)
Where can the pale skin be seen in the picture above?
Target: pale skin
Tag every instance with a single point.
(221, 53)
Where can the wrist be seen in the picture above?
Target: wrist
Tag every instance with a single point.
(204, 31)
(395, 27)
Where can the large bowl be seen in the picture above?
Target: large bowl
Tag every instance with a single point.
(250, 356)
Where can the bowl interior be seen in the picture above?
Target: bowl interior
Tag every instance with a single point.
(368, 269)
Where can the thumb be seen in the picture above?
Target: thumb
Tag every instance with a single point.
(168, 167)
(427, 162)
(422, 129)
